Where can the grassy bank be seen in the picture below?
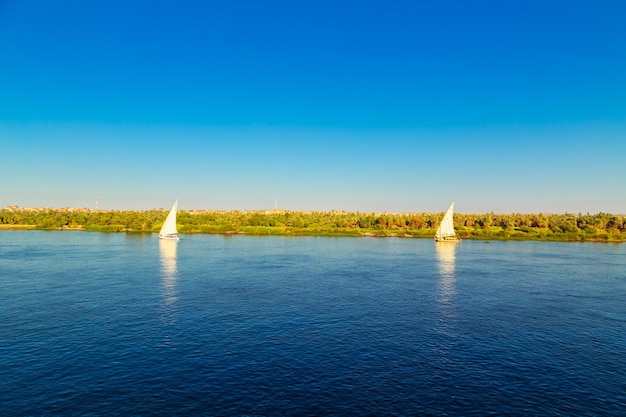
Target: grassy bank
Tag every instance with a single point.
(17, 226)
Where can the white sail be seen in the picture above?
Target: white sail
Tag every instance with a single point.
(446, 228)
(168, 231)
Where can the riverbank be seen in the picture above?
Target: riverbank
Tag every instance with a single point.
(275, 231)
(600, 227)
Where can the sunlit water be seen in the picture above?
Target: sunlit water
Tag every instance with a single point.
(114, 324)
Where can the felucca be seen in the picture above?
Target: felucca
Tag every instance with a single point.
(168, 231)
(445, 232)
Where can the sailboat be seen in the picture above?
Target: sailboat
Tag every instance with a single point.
(168, 231)
(445, 232)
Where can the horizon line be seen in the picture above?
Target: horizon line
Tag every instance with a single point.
(280, 210)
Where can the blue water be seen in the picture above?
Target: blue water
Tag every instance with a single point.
(114, 324)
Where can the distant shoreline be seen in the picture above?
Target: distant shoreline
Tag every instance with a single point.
(600, 227)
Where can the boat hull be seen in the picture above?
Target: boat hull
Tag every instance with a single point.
(451, 240)
(168, 237)
(447, 239)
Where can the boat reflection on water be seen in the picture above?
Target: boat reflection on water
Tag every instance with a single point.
(446, 260)
(169, 272)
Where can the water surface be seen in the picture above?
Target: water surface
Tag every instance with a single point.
(115, 324)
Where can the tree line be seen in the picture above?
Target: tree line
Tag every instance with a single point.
(570, 227)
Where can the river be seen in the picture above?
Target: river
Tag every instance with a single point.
(117, 324)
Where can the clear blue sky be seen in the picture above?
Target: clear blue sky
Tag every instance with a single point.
(504, 106)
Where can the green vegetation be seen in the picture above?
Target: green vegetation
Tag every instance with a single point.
(557, 227)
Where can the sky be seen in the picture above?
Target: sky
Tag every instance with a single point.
(396, 106)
